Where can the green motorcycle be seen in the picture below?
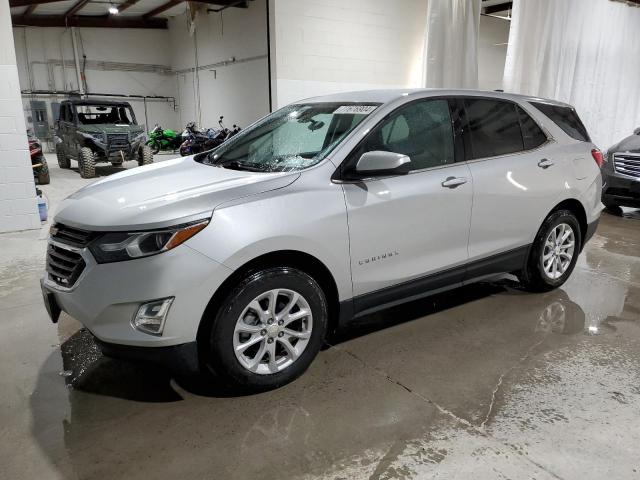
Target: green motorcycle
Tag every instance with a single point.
(160, 139)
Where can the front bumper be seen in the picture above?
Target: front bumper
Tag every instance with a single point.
(106, 297)
(620, 190)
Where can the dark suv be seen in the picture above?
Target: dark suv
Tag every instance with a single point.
(93, 131)
(621, 173)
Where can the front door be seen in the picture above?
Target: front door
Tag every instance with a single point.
(408, 232)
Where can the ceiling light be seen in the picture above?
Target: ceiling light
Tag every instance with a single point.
(113, 10)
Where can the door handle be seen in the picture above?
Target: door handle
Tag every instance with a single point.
(544, 163)
(453, 182)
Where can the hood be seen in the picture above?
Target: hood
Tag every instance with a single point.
(162, 194)
(110, 128)
(631, 144)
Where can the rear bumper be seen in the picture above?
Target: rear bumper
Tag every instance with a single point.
(591, 230)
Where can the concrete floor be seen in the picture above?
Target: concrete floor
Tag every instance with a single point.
(482, 382)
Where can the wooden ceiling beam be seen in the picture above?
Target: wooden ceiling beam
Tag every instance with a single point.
(162, 8)
(79, 5)
(500, 7)
(99, 21)
(28, 3)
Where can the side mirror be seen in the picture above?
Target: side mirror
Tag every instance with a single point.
(636, 131)
(380, 162)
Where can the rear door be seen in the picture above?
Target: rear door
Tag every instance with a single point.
(405, 228)
(515, 177)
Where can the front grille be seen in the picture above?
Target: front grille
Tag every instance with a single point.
(118, 141)
(71, 236)
(627, 164)
(64, 266)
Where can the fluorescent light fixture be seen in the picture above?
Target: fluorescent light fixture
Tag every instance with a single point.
(113, 10)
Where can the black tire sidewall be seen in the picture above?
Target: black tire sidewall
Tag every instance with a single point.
(220, 356)
(536, 274)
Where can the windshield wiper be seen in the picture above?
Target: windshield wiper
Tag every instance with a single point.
(239, 165)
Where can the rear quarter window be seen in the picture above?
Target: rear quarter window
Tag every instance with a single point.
(566, 118)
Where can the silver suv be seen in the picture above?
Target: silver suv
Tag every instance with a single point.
(248, 256)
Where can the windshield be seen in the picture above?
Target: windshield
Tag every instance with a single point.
(293, 138)
(105, 114)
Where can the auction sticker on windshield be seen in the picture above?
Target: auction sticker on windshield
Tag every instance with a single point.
(356, 109)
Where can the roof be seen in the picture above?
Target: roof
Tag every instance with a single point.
(389, 95)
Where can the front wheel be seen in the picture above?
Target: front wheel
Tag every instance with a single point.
(87, 163)
(268, 329)
(63, 160)
(553, 254)
(145, 157)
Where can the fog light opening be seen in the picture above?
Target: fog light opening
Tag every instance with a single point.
(151, 316)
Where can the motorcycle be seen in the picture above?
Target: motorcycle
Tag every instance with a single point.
(196, 141)
(160, 139)
(38, 162)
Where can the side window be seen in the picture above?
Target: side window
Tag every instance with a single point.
(421, 130)
(532, 134)
(493, 128)
(566, 118)
(63, 113)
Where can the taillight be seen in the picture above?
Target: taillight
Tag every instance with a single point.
(597, 156)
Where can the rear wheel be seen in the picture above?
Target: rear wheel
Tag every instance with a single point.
(268, 329)
(154, 146)
(553, 254)
(63, 160)
(145, 157)
(42, 173)
(87, 163)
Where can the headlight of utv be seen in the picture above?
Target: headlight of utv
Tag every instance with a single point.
(120, 246)
(94, 136)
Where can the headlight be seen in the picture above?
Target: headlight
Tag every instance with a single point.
(120, 246)
(94, 136)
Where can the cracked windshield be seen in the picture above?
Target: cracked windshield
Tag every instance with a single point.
(293, 138)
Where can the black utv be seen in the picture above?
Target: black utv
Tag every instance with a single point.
(95, 131)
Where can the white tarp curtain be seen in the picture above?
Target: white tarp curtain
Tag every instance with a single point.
(583, 52)
(451, 44)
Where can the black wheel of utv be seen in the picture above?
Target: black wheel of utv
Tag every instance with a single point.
(154, 146)
(42, 173)
(63, 160)
(87, 163)
(145, 156)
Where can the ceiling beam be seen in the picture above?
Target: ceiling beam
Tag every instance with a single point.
(99, 21)
(129, 3)
(79, 5)
(162, 8)
(497, 8)
(30, 9)
(28, 3)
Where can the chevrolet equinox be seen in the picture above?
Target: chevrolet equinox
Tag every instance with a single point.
(332, 208)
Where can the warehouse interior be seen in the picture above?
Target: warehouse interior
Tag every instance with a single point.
(484, 381)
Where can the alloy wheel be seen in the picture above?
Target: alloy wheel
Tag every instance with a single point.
(558, 251)
(272, 331)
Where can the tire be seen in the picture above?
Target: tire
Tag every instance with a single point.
(534, 276)
(220, 351)
(154, 146)
(87, 163)
(63, 160)
(43, 173)
(145, 157)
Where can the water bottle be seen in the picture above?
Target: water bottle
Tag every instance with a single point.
(42, 208)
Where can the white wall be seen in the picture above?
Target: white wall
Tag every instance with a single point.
(492, 52)
(18, 208)
(239, 91)
(325, 46)
(35, 46)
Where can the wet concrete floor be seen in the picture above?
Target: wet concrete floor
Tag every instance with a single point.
(482, 382)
